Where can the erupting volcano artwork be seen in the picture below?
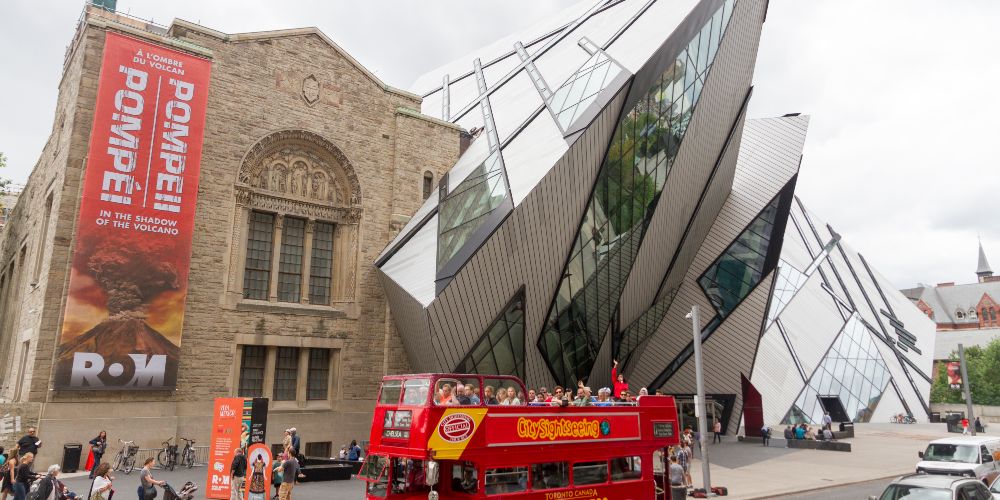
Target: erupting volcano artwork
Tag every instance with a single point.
(129, 277)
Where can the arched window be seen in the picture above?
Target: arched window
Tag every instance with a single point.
(428, 184)
(959, 314)
(993, 315)
(298, 205)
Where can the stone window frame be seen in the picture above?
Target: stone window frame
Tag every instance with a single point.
(304, 344)
(335, 198)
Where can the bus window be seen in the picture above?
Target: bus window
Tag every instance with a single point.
(444, 392)
(506, 480)
(549, 475)
(626, 468)
(415, 391)
(468, 392)
(464, 479)
(408, 476)
(390, 392)
(590, 473)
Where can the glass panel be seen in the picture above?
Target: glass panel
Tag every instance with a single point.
(626, 468)
(252, 371)
(286, 370)
(290, 266)
(260, 243)
(585, 473)
(321, 267)
(500, 350)
(319, 374)
(415, 391)
(390, 391)
(465, 208)
(582, 88)
(851, 377)
(506, 480)
(549, 475)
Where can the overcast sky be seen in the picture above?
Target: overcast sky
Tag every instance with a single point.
(902, 151)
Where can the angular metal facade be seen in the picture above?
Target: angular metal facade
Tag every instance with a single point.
(612, 182)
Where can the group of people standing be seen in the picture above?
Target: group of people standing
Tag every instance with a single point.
(679, 461)
(286, 470)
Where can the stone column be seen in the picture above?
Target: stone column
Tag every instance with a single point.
(279, 221)
(269, 363)
(307, 261)
(303, 378)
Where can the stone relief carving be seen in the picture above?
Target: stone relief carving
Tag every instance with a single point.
(310, 90)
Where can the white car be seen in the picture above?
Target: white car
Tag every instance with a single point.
(995, 487)
(976, 457)
(934, 487)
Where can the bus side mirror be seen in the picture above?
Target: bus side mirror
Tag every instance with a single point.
(432, 473)
(920, 454)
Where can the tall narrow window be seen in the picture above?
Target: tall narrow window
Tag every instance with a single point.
(23, 362)
(43, 237)
(260, 239)
(290, 267)
(428, 184)
(321, 267)
(317, 384)
(286, 370)
(252, 371)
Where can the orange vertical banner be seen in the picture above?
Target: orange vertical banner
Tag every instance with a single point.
(227, 427)
(258, 473)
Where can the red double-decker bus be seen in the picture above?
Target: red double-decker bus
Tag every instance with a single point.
(427, 442)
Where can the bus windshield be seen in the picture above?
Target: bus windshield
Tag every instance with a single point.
(938, 452)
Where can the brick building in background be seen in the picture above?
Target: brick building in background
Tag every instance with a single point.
(966, 313)
(310, 164)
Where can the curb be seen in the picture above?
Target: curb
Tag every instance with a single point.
(825, 487)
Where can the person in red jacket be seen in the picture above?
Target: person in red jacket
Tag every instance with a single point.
(619, 380)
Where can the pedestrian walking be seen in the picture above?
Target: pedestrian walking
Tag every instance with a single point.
(289, 474)
(9, 472)
(965, 426)
(50, 487)
(147, 483)
(684, 456)
(24, 476)
(100, 489)
(676, 473)
(97, 447)
(827, 421)
(277, 474)
(29, 443)
(979, 426)
(717, 431)
(238, 472)
(765, 434)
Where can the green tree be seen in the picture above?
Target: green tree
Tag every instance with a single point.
(983, 366)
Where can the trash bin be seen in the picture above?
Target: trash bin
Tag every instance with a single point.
(71, 457)
(935, 417)
(954, 421)
(678, 493)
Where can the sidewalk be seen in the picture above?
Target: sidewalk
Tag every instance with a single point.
(752, 471)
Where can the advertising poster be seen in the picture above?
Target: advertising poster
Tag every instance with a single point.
(955, 375)
(129, 274)
(258, 472)
(236, 423)
(227, 431)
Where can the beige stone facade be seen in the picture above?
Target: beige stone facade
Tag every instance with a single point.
(296, 129)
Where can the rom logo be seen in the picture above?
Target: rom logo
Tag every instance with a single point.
(89, 367)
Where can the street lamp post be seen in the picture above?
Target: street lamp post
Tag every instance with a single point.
(965, 385)
(699, 403)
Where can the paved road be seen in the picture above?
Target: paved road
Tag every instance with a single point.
(125, 486)
(858, 491)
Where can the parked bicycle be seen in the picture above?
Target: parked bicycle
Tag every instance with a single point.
(187, 455)
(125, 459)
(902, 419)
(167, 457)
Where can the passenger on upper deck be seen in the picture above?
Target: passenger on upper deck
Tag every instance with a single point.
(488, 397)
(444, 396)
(619, 380)
(470, 393)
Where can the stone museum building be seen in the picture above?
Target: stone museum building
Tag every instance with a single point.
(309, 165)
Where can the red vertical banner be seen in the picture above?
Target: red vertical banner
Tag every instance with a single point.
(129, 275)
(227, 430)
(258, 473)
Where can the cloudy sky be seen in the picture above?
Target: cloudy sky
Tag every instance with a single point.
(902, 150)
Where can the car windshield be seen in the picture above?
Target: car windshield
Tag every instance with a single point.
(996, 486)
(909, 492)
(952, 453)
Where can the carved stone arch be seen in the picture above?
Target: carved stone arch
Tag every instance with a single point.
(319, 154)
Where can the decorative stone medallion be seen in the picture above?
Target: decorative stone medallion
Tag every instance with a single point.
(310, 90)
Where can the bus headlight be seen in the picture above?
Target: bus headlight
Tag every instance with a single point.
(433, 495)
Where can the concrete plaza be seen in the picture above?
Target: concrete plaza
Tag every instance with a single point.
(749, 470)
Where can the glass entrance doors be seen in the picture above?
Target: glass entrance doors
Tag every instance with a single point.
(685, 411)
